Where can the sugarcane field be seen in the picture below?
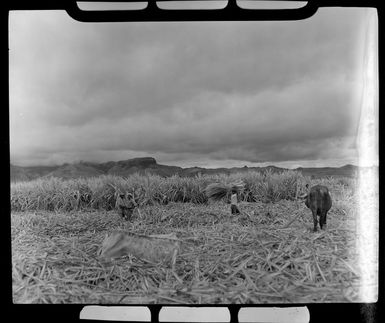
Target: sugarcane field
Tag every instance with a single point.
(153, 240)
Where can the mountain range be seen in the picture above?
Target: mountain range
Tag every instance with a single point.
(148, 165)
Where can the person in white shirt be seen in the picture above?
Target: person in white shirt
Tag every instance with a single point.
(234, 202)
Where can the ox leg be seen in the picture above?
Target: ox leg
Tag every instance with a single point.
(129, 214)
(314, 219)
(323, 220)
(121, 212)
(124, 214)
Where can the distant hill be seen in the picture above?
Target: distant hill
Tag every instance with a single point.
(75, 171)
(344, 171)
(148, 165)
(30, 172)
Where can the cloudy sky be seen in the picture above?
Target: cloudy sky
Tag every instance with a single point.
(189, 94)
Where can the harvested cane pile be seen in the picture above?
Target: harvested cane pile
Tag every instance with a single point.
(219, 191)
(254, 259)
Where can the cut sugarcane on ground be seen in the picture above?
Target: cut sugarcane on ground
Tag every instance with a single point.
(253, 257)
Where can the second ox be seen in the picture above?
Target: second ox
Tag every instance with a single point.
(319, 201)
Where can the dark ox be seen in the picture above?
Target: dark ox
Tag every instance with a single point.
(318, 200)
(125, 205)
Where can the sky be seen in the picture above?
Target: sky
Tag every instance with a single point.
(208, 94)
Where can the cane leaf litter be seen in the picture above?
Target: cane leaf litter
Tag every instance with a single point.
(266, 254)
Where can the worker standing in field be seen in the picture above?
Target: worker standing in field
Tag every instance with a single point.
(219, 191)
(234, 202)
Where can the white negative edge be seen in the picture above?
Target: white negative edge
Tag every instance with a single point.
(116, 313)
(367, 230)
(194, 314)
(274, 315)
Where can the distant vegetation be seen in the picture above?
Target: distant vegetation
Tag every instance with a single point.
(149, 166)
(98, 193)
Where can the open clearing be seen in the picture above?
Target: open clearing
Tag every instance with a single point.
(251, 258)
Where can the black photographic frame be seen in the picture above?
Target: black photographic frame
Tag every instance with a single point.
(351, 312)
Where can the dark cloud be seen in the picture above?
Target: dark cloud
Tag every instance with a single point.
(253, 92)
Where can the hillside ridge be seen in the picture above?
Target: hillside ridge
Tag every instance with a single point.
(149, 166)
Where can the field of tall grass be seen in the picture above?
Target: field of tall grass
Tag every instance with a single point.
(54, 194)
